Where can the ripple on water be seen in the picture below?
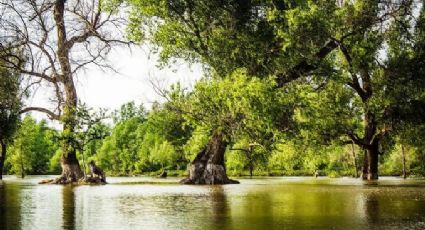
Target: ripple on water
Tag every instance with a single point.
(260, 203)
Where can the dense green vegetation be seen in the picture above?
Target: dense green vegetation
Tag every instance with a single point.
(11, 95)
(290, 88)
(145, 143)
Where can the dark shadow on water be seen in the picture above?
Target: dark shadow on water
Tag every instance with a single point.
(372, 208)
(219, 206)
(10, 206)
(68, 202)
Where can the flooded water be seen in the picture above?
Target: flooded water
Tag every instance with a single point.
(261, 203)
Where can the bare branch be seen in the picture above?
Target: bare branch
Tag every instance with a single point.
(49, 113)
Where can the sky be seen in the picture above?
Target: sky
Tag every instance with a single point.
(136, 67)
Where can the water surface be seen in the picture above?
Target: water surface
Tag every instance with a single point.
(260, 203)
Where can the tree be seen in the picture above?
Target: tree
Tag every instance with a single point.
(163, 154)
(127, 111)
(228, 108)
(379, 84)
(144, 142)
(118, 153)
(10, 105)
(34, 144)
(250, 155)
(58, 39)
(291, 40)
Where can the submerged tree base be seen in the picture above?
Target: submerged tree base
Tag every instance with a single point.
(370, 176)
(211, 174)
(84, 180)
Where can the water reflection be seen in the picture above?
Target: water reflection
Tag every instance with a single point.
(150, 206)
(9, 210)
(261, 204)
(396, 207)
(68, 207)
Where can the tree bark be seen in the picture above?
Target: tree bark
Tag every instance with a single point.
(71, 171)
(372, 157)
(404, 162)
(208, 166)
(365, 165)
(353, 153)
(2, 158)
(251, 163)
(251, 169)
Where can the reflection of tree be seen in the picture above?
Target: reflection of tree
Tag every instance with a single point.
(68, 201)
(372, 207)
(219, 203)
(10, 206)
(394, 207)
(220, 207)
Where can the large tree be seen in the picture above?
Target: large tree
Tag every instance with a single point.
(10, 105)
(227, 109)
(288, 39)
(58, 39)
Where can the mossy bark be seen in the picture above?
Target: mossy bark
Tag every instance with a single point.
(208, 166)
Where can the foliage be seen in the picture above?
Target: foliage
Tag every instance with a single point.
(237, 105)
(11, 96)
(302, 81)
(34, 145)
(10, 103)
(141, 144)
(90, 131)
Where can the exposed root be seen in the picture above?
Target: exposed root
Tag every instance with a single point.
(92, 180)
(84, 180)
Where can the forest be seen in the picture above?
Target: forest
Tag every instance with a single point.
(294, 88)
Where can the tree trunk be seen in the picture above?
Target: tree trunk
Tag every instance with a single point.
(353, 153)
(71, 171)
(2, 158)
(251, 169)
(404, 161)
(371, 145)
(251, 163)
(365, 165)
(208, 166)
(22, 161)
(372, 158)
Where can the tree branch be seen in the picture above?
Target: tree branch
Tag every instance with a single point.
(50, 114)
(305, 66)
(356, 139)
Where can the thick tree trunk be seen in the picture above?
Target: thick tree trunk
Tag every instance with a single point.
(2, 158)
(71, 171)
(404, 162)
(370, 162)
(208, 166)
(365, 165)
(372, 157)
(371, 146)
